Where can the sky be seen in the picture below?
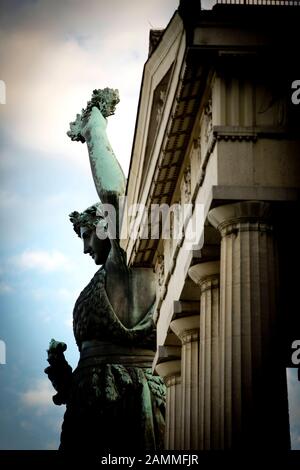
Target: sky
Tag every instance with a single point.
(52, 55)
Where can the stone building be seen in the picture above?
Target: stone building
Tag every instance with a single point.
(217, 134)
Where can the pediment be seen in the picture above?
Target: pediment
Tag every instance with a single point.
(157, 109)
(156, 98)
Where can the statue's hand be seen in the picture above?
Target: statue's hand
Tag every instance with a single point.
(59, 372)
(76, 128)
(105, 100)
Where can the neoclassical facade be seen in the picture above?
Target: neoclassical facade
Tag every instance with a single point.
(217, 141)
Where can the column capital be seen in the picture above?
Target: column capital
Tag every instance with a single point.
(203, 271)
(186, 328)
(245, 215)
(169, 369)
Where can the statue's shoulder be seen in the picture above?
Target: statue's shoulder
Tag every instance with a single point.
(98, 278)
(92, 287)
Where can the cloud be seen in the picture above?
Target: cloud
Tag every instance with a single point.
(26, 425)
(39, 397)
(53, 54)
(69, 322)
(66, 294)
(62, 51)
(52, 445)
(45, 261)
(63, 295)
(5, 288)
(9, 199)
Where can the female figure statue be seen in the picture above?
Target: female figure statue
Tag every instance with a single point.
(113, 402)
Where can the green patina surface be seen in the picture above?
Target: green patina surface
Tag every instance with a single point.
(113, 400)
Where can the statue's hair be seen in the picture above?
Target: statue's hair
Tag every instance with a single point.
(88, 218)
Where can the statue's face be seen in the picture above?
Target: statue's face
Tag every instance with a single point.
(98, 249)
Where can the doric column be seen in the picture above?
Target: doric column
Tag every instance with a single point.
(206, 275)
(187, 329)
(254, 409)
(170, 371)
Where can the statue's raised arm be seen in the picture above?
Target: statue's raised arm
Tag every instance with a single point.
(90, 127)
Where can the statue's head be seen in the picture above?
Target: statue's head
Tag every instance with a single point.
(91, 226)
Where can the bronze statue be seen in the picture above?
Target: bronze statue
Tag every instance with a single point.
(113, 402)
